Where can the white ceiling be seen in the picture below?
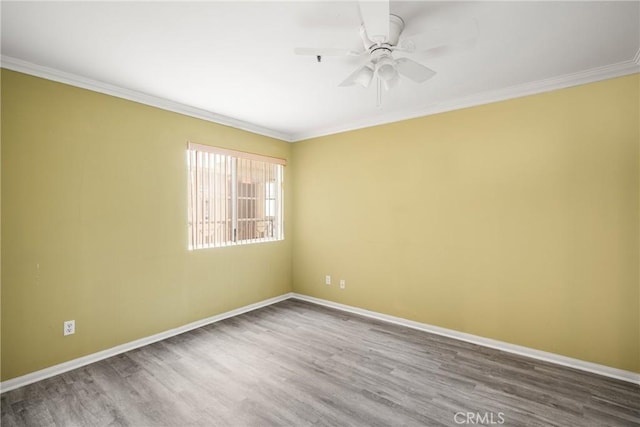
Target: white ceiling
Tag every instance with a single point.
(235, 59)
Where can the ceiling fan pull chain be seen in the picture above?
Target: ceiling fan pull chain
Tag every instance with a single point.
(379, 93)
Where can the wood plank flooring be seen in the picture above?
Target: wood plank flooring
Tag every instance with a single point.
(299, 364)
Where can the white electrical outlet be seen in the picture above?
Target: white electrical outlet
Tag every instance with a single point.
(327, 280)
(343, 283)
(69, 327)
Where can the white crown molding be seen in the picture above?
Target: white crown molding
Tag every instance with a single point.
(546, 85)
(95, 357)
(554, 83)
(554, 358)
(132, 95)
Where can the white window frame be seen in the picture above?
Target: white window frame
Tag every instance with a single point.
(214, 217)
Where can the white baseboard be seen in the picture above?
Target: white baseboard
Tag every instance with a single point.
(557, 359)
(91, 358)
(462, 336)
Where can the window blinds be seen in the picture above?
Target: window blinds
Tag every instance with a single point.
(234, 197)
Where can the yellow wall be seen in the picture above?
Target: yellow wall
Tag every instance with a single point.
(516, 220)
(94, 192)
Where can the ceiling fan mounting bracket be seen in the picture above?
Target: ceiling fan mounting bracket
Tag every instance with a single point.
(396, 26)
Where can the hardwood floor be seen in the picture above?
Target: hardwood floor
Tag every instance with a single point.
(295, 363)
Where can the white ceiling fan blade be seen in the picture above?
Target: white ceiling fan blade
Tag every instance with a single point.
(330, 51)
(439, 51)
(375, 19)
(361, 76)
(463, 34)
(414, 71)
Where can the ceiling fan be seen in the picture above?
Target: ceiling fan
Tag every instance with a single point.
(381, 34)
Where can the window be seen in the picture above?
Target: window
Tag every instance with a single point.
(234, 197)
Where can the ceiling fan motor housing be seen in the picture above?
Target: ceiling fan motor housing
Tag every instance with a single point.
(386, 67)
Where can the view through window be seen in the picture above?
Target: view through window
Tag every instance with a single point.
(234, 197)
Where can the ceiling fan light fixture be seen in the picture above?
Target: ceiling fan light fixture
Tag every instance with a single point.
(365, 76)
(386, 68)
